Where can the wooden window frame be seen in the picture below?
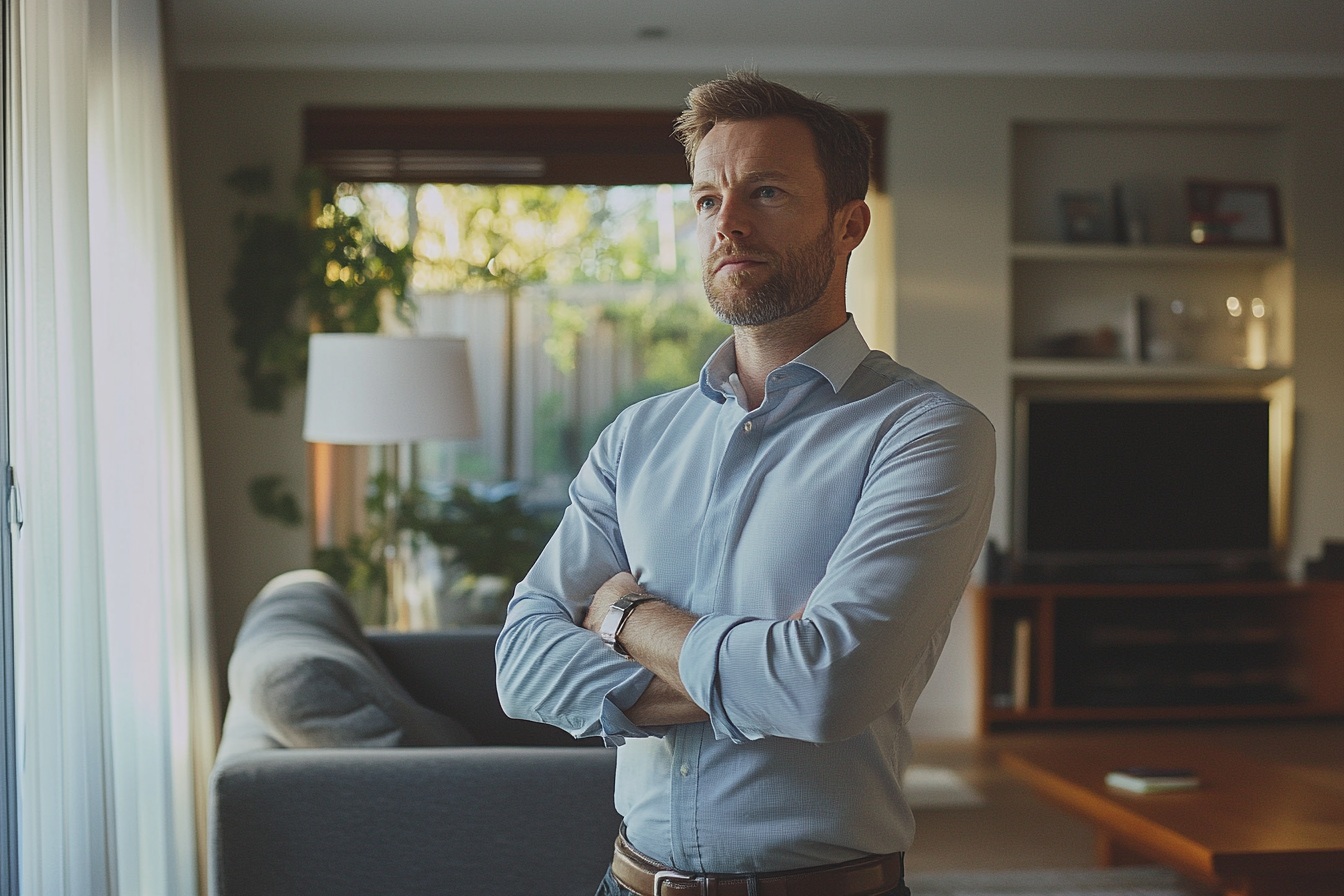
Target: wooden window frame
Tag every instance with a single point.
(605, 147)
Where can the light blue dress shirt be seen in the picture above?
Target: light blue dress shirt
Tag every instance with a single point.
(858, 489)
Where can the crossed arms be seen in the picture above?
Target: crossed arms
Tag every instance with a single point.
(866, 642)
(653, 636)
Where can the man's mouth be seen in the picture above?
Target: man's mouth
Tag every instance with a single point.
(734, 264)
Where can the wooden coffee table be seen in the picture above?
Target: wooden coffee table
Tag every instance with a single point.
(1252, 829)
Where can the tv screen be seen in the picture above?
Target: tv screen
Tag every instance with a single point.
(1149, 480)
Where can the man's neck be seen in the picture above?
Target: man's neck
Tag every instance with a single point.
(762, 349)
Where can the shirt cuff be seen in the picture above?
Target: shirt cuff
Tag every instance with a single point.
(698, 666)
(616, 726)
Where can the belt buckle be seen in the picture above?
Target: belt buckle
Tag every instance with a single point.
(662, 877)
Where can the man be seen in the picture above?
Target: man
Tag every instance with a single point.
(778, 550)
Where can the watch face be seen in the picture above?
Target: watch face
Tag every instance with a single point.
(615, 619)
(611, 624)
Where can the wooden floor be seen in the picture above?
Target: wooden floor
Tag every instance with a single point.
(1016, 829)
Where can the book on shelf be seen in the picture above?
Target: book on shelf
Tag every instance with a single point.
(1143, 779)
(1022, 665)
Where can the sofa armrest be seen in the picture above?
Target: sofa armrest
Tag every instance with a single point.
(452, 671)
(476, 821)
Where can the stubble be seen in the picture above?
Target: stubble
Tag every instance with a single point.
(797, 280)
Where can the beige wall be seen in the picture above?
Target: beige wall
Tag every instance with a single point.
(948, 164)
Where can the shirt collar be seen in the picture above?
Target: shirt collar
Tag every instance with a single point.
(835, 356)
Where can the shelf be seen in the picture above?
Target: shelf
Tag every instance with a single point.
(1078, 298)
(1114, 370)
(1148, 254)
(1236, 650)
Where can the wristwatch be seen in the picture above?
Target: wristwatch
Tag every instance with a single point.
(616, 618)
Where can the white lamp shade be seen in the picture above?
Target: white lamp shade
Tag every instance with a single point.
(369, 389)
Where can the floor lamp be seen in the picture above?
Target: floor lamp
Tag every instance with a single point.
(371, 389)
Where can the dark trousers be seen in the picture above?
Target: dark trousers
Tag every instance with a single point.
(610, 887)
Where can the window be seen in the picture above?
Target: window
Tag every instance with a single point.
(576, 301)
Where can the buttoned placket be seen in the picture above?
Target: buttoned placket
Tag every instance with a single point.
(733, 475)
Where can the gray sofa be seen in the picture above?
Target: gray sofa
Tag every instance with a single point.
(317, 791)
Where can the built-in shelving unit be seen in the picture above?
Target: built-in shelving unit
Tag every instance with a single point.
(1157, 310)
(1080, 301)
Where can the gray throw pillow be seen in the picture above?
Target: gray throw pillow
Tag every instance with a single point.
(312, 679)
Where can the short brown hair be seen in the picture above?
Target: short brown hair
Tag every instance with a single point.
(843, 146)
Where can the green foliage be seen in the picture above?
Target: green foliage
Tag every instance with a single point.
(555, 438)
(271, 500)
(672, 339)
(265, 290)
(493, 536)
(348, 267)
(358, 567)
(319, 268)
(505, 237)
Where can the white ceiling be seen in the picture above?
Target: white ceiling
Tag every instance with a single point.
(1140, 37)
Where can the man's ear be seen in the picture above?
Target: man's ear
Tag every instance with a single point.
(851, 225)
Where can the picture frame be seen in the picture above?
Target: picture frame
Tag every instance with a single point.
(1084, 217)
(1223, 213)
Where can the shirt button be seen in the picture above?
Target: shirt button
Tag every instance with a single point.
(746, 427)
(685, 770)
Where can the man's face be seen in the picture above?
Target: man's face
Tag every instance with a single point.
(767, 241)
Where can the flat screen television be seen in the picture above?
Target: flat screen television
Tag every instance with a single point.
(1157, 481)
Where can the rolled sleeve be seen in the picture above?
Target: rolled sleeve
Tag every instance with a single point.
(698, 666)
(616, 726)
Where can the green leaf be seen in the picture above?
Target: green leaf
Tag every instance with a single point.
(271, 500)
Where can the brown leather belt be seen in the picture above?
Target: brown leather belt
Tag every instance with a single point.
(861, 877)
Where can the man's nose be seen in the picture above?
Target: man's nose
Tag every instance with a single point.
(733, 220)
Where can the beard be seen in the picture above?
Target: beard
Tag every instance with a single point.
(797, 281)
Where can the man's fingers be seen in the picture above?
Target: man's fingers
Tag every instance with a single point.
(623, 582)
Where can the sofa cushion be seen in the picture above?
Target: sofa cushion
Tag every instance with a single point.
(309, 676)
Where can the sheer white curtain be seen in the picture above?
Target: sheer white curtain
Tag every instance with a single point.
(114, 698)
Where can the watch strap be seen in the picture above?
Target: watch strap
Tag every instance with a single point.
(617, 616)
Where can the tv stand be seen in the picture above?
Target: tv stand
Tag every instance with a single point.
(1056, 652)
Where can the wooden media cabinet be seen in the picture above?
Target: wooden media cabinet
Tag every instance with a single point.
(1061, 652)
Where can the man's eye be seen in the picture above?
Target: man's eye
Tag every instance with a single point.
(704, 203)
(767, 192)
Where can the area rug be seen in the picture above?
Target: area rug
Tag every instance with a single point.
(934, 787)
(1143, 880)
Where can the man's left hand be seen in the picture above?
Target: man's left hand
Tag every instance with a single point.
(612, 590)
